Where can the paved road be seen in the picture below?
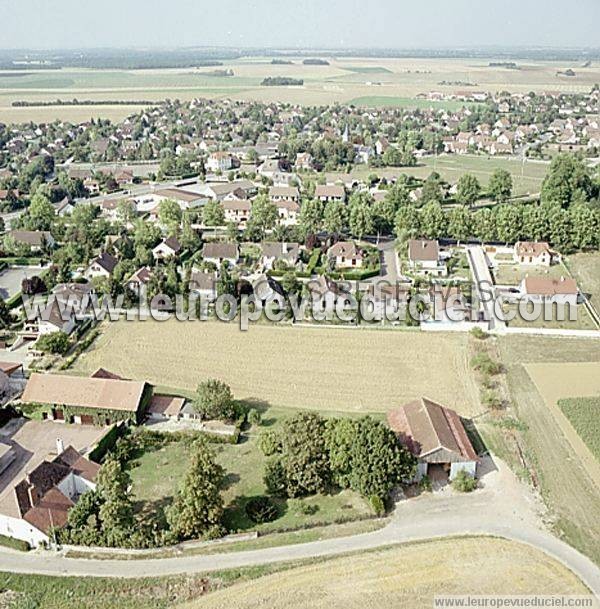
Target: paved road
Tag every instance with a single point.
(501, 508)
(390, 270)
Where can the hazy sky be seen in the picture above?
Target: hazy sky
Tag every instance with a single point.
(291, 23)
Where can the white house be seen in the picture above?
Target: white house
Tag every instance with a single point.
(346, 255)
(217, 253)
(168, 248)
(533, 253)
(219, 161)
(424, 258)
(288, 212)
(101, 266)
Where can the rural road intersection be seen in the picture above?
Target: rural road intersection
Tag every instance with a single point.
(501, 508)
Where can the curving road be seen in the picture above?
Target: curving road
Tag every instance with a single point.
(501, 509)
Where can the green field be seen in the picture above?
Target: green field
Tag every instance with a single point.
(584, 415)
(381, 101)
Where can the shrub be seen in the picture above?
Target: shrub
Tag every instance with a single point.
(485, 364)
(425, 484)
(269, 443)
(464, 482)
(377, 505)
(55, 342)
(261, 509)
(301, 507)
(491, 399)
(479, 334)
(254, 417)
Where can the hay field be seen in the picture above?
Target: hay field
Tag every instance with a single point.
(565, 483)
(403, 577)
(349, 370)
(371, 81)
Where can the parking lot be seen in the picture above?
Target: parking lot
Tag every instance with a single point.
(10, 279)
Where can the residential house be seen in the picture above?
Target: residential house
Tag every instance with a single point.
(424, 258)
(274, 251)
(330, 192)
(562, 291)
(346, 255)
(533, 253)
(220, 161)
(35, 240)
(218, 253)
(436, 436)
(284, 193)
(139, 281)
(165, 407)
(101, 266)
(204, 285)
(167, 248)
(237, 211)
(288, 212)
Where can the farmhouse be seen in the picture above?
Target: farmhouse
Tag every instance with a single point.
(533, 253)
(87, 401)
(436, 436)
(218, 253)
(163, 407)
(424, 258)
(560, 291)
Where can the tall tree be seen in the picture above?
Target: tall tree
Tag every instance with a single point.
(500, 186)
(468, 189)
(198, 505)
(335, 217)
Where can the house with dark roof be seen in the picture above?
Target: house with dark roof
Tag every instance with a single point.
(436, 436)
(168, 248)
(101, 266)
(47, 493)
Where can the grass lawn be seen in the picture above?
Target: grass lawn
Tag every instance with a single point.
(409, 576)
(584, 415)
(324, 369)
(156, 475)
(513, 274)
(584, 320)
(586, 269)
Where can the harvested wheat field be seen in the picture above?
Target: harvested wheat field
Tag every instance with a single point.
(328, 369)
(407, 576)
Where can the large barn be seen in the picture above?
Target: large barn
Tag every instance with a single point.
(436, 436)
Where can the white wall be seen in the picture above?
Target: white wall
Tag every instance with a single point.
(21, 529)
(469, 466)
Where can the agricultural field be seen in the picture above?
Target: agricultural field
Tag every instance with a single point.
(586, 269)
(407, 576)
(369, 82)
(564, 481)
(156, 476)
(325, 369)
(584, 415)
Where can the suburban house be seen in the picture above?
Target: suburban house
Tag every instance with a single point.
(219, 161)
(435, 435)
(304, 160)
(218, 253)
(35, 240)
(284, 193)
(184, 198)
(168, 248)
(76, 295)
(101, 266)
(546, 289)
(330, 192)
(237, 210)
(424, 258)
(288, 212)
(54, 318)
(273, 251)
(87, 401)
(346, 255)
(47, 493)
(204, 284)
(534, 253)
(138, 282)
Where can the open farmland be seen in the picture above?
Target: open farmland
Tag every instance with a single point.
(561, 368)
(586, 269)
(406, 576)
(318, 368)
(584, 415)
(369, 82)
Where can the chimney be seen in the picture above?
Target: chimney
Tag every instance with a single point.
(60, 447)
